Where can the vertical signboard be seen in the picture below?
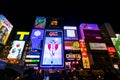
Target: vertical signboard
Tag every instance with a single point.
(5, 29)
(85, 58)
(36, 37)
(52, 55)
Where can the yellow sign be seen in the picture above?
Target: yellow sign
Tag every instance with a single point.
(22, 34)
(86, 63)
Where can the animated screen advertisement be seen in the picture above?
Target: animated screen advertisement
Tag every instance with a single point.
(40, 22)
(5, 29)
(116, 42)
(16, 50)
(86, 26)
(52, 56)
(36, 37)
(70, 33)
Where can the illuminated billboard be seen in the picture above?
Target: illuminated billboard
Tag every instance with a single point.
(5, 29)
(72, 56)
(92, 36)
(85, 26)
(52, 55)
(97, 46)
(36, 37)
(84, 53)
(16, 50)
(116, 42)
(40, 22)
(22, 35)
(71, 45)
(70, 33)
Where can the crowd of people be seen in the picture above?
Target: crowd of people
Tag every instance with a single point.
(31, 74)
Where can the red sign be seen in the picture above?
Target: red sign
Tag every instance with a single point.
(111, 49)
(53, 34)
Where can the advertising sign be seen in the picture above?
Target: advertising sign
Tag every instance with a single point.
(16, 50)
(97, 46)
(116, 42)
(70, 33)
(85, 26)
(111, 49)
(92, 36)
(86, 63)
(73, 56)
(71, 45)
(85, 58)
(52, 56)
(5, 29)
(22, 35)
(40, 22)
(36, 37)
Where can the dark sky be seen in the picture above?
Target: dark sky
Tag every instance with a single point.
(22, 14)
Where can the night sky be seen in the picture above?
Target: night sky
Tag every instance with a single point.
(22, 14)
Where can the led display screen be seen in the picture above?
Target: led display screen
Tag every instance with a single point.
(71, 45)
(116, 42)
(36, 37)
(92, 36)
(70, 33)
(5, 29)
(85, 26)
(40, 22)
(16, 50)
(52, 55)
(98, 46)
